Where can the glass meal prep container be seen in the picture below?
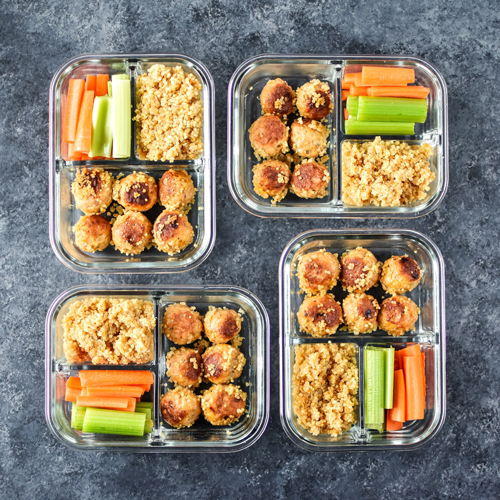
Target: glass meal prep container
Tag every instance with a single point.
(64, 214)
(429, 333)
(244, 108)
(201, 437)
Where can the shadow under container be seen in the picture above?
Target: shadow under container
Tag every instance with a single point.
(201, 437)
(63, 213)
(244, 108)
(429, 333)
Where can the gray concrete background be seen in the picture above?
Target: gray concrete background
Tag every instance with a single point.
(463, 41)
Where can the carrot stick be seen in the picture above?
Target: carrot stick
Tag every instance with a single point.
(98, 402)
(377, 75)
(84, 128)
(349, 78)
(411, 350)
(414, 383)
(359, 90)
(358, 80)
(393, 425)
(411, 92)
(116, 391)
(73, 103)
(398, 410)
(346, 85)
(90, 83)
(63, 146)
(346, 114)
(72, 394)
(131, 405)
(72, 155)
(101, 86)
(96, 378)
(85, 392)
(144, 387)
(423, 375)
(345, 94)
(85, 157)
(74, 382)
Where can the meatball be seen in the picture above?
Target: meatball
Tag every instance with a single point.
(277, 98)
(318, 272)
(137, 192)
(172, 232)
(268, 136)
(92, 233)
(320, 315)
(398, 315)
(271, 179)
(223, 404)
(314, 100)
(184, 367)
(177, 190)
(93, 190)
(360, 270)
(180, 407)
(400, 274)
(360, 313)
(308, 138)
(223, 363)
(310, 180)
(221, 324)
(132, 233)
(182, 324)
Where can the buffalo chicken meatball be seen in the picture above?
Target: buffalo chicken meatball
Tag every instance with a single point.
(360, 270)
(93, 190)
(184, 367)
(318, 272)
(172, 232)
(314, 100)
(271, 179)
(277, 98)
(221, 324)
(137, 192)
(310, 180)
(308, 138)
(360, 313)
(400, 274)
(398, 315)
(223, 404)
(177, 190)
(92, 233)
(132, 233)
(182, 324)
(223, 363)
(268, 136)
(320, 315)
(180, 407)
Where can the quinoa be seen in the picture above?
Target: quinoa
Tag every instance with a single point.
(169, 114)
(325, 387)
(385, 173)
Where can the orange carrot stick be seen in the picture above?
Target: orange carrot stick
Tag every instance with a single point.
(98, 402)
(378, 75)
(85, 157)
(411, 350)
(72, 394)
(97, 378)
(358, 81)
(393, 425)
(359, 90)
(411, 92)
(414, 383)
(345, 85)
(84, 128)
(398, 410)
(116, 391)
(72, 155)
(131, 405)
(423, 375)
(144, 387)
(73, 103)
(345, 94)
(349, 78)
(101, 86)
(90, 83)
(74, 382)
(346, 114)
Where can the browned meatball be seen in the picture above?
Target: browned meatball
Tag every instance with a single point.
(398, 315)
(310, 180)
(184, 367)
(137, 192)
(314, 100)
(92, 233)
(277, 98)
(93, 190)
(172, 232)
(400, 274)
(318, 272)
(223, 363)
(360, 270)
(182, 324)
(308, 138)
(268, 136)
(271, 179)
(177, 190)
(360, 313)
(221, 324)
(320, 315)
(223, 404)
(132, 233)
(180, 407)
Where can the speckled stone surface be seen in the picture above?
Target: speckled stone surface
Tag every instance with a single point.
(461, 38)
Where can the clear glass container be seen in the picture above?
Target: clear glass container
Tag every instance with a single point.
(430, 333)
(244, 108)
(63, 214)
(202, 437)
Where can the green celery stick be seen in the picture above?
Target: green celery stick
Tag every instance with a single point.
(77, 416)
(389, 377)
(145, 410)
(120, 76)
(355, 127)
(374, 388)
(148, 426)
(391, 109)
(352, 105)
(110, 89)
(123, 423)
(122, 116)
(102, 127)
(144, 404)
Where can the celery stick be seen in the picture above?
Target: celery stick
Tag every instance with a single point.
(144, 404)
(352, 105)
(123, 423)
(148, 426)
(102, 131)
(110, 89)
(147, 411)
(389, 377)
(77, 415)
(355, 127)
(374, 388)
(120, 76)
(391, 109)
(122, 116)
